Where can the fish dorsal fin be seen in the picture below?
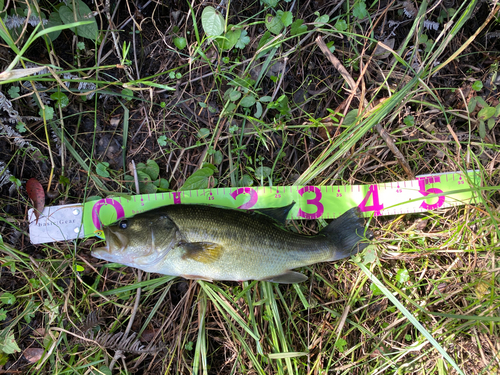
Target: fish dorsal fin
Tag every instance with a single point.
(289, 277)
(277, 213)
(204, 252)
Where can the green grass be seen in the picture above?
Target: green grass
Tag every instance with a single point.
(422, 300)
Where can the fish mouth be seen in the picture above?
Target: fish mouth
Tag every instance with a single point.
(116, 244)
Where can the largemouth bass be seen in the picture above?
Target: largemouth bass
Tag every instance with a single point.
(212, 243)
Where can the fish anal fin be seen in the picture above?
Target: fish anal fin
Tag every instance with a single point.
(204, 252)
(277, 213)
(289, 277)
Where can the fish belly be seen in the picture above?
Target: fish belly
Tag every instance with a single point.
(242, 259)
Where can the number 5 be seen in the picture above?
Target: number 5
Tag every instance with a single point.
(421, 184)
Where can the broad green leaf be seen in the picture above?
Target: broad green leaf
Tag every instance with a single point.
(273, 24)
(218, 157)
(350, 117)
(409, 120)
(102, 169)
(340, 344)
(271, 3)
(402, 276)
(485, 113)
(375, 290)
(9, 345)
(262, 172)
(48, 113)
(60, 98)
(203, 132)
(212, 22)
(180, 42)
(232, 94)
(231, 38)
(8, 298)
(471, 106)
(481, 101)
(477, 86)
(370, 255)
(322, 19)
(491, 123)
(248, 101)
(359, 10)
(152, 169)
(286, 18)
(482, 130)
(14, 92)
(79, 268)
(211, 166)
(162, 140)
(298, 27)
(89, 31)
(161, 183)
(148, 188)
(54, 20)
(128, 94)
(143, 177)
(198, 180)
(258, 110)
(341, 25)
(146, 185)
(243, 40)
(264, 39)
(246, 180)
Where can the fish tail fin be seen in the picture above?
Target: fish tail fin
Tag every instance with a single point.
(345, 234)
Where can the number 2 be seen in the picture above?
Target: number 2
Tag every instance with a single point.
(254, 196)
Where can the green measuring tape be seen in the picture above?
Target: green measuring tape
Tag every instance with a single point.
(426, 193)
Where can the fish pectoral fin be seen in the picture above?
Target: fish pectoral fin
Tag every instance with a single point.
(204, 252)
(289, 277)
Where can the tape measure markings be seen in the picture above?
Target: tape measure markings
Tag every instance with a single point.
(312, 202)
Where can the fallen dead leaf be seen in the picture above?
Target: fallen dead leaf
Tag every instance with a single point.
(33, 355)
(37, 195)
(148, 335)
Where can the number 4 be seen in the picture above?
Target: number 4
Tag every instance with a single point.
(376, 206)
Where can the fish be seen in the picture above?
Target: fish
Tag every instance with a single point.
(210, 243)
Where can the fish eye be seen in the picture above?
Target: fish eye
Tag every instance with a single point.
(123, 224)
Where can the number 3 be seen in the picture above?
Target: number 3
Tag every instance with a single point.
(315, 201)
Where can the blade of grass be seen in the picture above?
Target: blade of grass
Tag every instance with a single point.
(76, 155)
(126, 115)
(200, 352)
(349, 137)
(409, 316)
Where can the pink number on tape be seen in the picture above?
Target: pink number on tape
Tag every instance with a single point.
(422, 181)
(120, 212)
(253, 197)
(177, 197)
(376, 207)
(315, 201)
